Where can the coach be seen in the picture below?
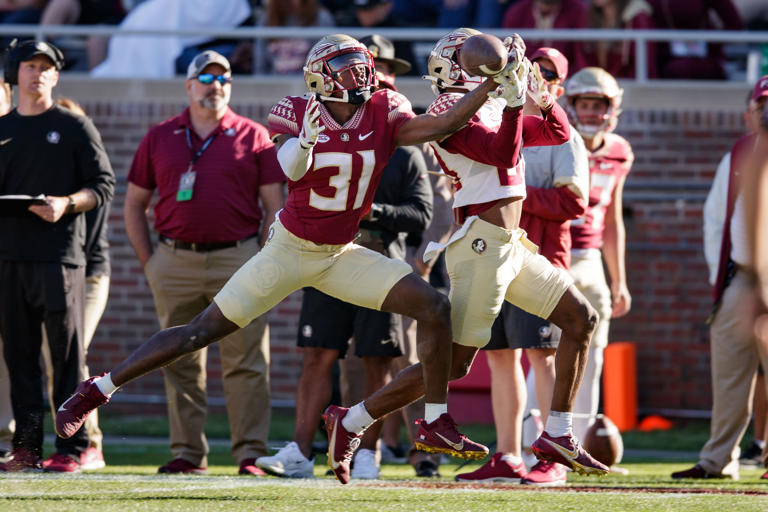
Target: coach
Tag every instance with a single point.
(210, 168)
(45, 149)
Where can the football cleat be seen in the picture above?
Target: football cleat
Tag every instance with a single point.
(92, 458)
(248, 467)
(441, 436)
(567, 451)
(288, 462)
(182, 466)
(72, 413)
(495, 470)
(341, 443)
(546, 474)
(751, 457)
(21, 460)
(61, 463)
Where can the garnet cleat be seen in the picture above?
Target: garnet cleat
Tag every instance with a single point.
(495, 470)
(341, 443)
(72, 413)
(567, 451)
(441, 436)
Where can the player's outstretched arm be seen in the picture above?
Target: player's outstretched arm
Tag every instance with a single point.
(427, 127)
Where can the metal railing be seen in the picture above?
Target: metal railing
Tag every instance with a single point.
(639, 37)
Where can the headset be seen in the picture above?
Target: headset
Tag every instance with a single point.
(17, 53)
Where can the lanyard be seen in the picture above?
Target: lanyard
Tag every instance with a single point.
(202, 149)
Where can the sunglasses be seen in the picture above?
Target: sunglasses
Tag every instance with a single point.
(208, 78)
(548, 75)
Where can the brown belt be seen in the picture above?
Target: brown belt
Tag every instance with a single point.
(199, 247)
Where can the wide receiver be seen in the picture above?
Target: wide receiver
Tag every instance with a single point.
(333, 147)
(489, 258)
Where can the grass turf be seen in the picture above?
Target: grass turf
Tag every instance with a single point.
(130, 481)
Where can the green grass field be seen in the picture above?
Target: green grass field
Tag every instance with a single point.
(130, 482)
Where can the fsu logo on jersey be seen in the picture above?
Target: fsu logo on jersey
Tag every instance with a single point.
(479, 245)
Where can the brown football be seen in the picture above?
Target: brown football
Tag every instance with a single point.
(483, 54)
(603, 441)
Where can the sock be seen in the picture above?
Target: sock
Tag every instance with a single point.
(433, 411)
(357, 419)
(559, 424)
(760, 443)
(512, 459)
(105, 384)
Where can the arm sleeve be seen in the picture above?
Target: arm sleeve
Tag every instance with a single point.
(497, 148)
(142, 172)
(551, 130)
(92, 159)
(558, 204)
(714, 216)
(266, 161)
(414, 212)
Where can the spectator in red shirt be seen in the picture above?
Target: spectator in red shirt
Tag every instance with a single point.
(547, 15)
(210, 168)
(616, 57)
(693, 59)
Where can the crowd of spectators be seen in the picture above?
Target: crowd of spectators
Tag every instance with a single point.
(159, 56)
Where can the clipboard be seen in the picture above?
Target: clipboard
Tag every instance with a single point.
(18, 203)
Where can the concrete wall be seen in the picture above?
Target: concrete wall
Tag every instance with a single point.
(678, 131)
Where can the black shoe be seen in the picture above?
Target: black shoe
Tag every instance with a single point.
(751, 456)
(427, 469)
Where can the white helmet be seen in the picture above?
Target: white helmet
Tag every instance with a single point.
(593, 82)
(443, 63)
(329, 59)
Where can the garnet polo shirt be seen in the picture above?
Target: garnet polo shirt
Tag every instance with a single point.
(225, 202)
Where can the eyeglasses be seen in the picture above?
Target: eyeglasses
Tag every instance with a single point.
(208, 78)
(548, 75)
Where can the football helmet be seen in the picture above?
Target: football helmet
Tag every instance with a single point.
(443, 63)
(593, 82)
(340, 63)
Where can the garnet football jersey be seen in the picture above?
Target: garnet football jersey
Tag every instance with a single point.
(607, 166)
(325, 206)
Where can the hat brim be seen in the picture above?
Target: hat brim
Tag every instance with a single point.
(397, 66)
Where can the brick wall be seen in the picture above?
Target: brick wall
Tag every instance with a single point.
(677, 148)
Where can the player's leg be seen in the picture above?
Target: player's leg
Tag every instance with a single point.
(256, 287)
(325, 326)
(548, 292)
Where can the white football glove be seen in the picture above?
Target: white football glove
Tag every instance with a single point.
(537, 89)
(311, 128)
(516, 49)
(513, 82)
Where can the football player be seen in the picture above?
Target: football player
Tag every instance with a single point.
(489, 259)
(593, 102)
(333, 146)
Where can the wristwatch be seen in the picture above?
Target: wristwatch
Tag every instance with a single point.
(71, 205)
(376, 211)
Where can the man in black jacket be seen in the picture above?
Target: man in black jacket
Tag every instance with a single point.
(45, 150)
(402, 204)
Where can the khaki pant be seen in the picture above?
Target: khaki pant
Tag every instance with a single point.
(734, 364)
(96, 294)
(183, 284)
(589, 276)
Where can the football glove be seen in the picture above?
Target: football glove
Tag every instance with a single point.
(537, 89)
(516, 48)
(513, 82)
(311, 127)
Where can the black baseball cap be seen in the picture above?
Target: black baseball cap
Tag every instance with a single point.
(383, 50)
(29, 49)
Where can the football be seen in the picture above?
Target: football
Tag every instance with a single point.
(483, 55)
(603, 441)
